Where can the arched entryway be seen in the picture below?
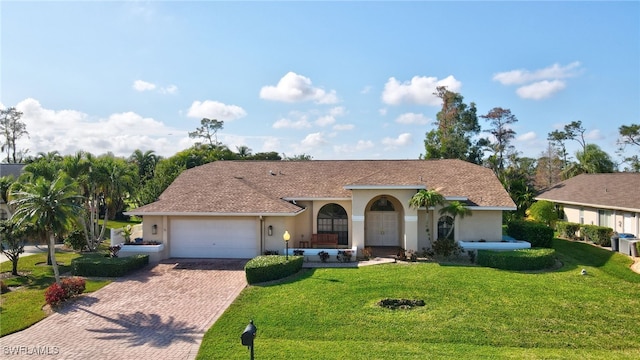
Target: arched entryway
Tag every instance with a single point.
(332, 219)
(382, 222)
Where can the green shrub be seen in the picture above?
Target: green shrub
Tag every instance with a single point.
(567, 229)
(76, 240)
(446, 247)
(600, 235)
(271, 267)
(107, 266)
(538, 234)
(543, 211)
(523, 259)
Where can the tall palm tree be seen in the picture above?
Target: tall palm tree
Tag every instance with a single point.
(426, 198)
(52, 206)
(455, 209)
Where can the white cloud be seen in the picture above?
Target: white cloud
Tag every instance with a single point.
(412, 118)
(297, 88)
(361, 145)
(343, 127)
(337, 111)
(594, 134)
(171, 89)
(402, 140)
(69, 131)
(382, 112)
(313, 140)
(270, 143)
(284, 123)
(215, 110)
(419, 90)
(366, 90)
(541, 89)
(325, 120)
(555, 71)
(528, 136)
(141, 85)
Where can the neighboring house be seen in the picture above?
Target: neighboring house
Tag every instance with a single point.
(8, 170)
(611, 200)
(239, 209)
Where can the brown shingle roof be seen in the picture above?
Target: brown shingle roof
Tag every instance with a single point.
(611, 191)
(259, 187)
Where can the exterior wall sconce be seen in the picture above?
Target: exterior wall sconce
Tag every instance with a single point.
(154, 229)
(270, 230)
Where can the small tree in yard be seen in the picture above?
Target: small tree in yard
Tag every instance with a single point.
(426, 198)
(543, 211)
(13, 237)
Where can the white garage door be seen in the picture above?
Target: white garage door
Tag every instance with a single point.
(214, 238)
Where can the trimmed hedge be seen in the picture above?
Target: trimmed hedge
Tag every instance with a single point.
(536, 233)
(107, 266)
(271, 267)
(567, 229)
(523, 259)
(600, 235)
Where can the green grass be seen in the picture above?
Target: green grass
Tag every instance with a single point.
(23, 307)
(471, 312)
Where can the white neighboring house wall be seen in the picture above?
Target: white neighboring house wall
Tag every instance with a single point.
(619, 220)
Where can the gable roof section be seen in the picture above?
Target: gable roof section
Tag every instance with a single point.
(619, 191)
(261, 187)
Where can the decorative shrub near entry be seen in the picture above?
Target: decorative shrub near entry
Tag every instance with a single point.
(523, 259)
(271, 267)
(69, 287)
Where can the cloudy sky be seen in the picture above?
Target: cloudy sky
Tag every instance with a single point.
(335, 80)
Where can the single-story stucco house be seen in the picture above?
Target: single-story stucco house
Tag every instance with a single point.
(240, 209)
(611, 200)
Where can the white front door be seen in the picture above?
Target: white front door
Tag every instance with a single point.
(627, 225)
(382, 228)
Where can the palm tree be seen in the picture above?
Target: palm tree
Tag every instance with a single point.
(52, 206)
(455, 209)
(426, 198)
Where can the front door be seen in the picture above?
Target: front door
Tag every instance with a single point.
(382, 228)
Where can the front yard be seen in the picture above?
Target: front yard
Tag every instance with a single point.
(471, 312)
(23, 306)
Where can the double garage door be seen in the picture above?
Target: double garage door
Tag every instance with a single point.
(214, 238)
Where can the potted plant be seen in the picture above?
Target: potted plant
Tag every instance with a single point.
(324, 256)
(126, 233)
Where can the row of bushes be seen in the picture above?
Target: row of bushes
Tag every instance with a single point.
(107, 266)
(271, 267)
(537, 233)
(68, 288)
(600, 235)
(523, 259)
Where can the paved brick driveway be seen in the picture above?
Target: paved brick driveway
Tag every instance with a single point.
(159, 313)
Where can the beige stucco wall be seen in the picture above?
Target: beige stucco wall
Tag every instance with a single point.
(482, 224)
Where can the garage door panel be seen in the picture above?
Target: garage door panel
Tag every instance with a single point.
(214, 238)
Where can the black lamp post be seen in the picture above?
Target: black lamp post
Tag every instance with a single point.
(248, 335)
(286, 238)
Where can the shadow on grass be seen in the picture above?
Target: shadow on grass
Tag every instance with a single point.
(303, 274)
(137, 329)
(574, 254)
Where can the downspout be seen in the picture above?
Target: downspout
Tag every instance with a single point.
(261, 235)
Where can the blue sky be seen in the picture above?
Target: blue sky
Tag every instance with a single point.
(335, 80)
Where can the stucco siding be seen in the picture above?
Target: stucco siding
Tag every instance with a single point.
(482, 224)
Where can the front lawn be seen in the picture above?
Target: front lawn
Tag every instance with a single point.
(22, 307)
(471, 312)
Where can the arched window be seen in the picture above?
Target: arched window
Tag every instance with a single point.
(332, 219)
(382, 204)
(445, 227)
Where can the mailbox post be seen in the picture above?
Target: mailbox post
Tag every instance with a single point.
(248, 335)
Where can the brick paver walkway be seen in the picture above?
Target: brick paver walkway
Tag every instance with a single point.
(160, 313)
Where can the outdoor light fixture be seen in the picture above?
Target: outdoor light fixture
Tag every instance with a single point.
(286, 238)
(270, 230)
(154, 229)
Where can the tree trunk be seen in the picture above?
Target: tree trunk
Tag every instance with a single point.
(52, 255)
(14, 265)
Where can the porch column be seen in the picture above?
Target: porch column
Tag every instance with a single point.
(357, 231)
(411, 232)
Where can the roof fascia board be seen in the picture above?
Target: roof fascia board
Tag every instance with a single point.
(390, 187)
(595, 206)
(456, 198)
(315, 199)
(209, 214)
(485, 208)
